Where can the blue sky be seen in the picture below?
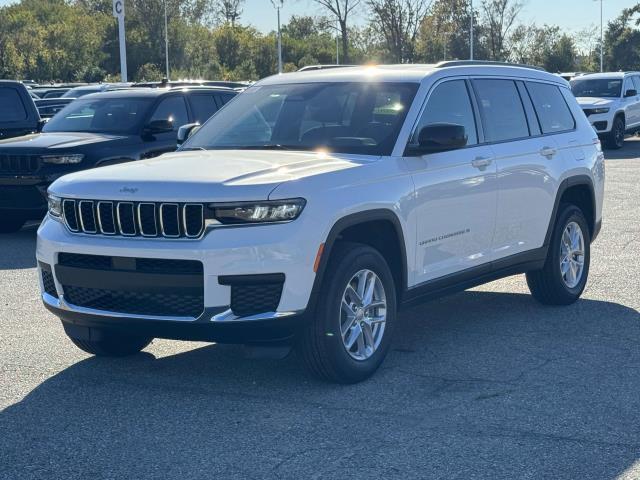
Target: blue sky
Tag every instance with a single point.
(570, 14)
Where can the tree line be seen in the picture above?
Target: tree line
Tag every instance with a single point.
(77, 40)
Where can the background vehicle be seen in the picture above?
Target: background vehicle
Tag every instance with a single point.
(48, 107)
(315, 204)
(191, 83)
(18, 114)
(611, 102)
(93, 131)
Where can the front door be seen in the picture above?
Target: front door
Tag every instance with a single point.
(455, 198)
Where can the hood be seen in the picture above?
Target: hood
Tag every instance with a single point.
(57, 140)
(595, 101)
(197, 176)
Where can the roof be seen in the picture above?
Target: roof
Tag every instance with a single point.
(608, 75)
(144, 92)
(412, 73)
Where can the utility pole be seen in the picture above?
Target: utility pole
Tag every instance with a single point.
(166, 40)
(601, 40)
(337, 44)
(471, 33)
(278, 5)
(118, 12)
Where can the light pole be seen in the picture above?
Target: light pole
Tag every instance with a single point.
(337, 44)
(166, 40)
(471, 33)
(278, 5)
(601, 39)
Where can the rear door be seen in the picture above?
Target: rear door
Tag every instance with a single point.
(525, 187)
(203, 106)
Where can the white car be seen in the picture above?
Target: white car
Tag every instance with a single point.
(314, 205)
(611, 102)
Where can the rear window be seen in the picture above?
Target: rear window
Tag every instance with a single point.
(501, 110)
(552, 110)
(11, 106)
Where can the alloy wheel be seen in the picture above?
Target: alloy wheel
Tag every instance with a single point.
(572, 255)
(363, 314)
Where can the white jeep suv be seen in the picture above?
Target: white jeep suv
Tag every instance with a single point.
(314, 205)
(611, 102)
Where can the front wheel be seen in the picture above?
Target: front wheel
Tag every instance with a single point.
(564, 276)
(111, 344)
(351, 329)
(615, 138)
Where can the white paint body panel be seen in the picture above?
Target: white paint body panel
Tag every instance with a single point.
(505, 207)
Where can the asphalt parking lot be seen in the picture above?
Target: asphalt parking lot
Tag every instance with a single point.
(482, 384)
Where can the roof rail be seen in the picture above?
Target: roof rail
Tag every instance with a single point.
(463, 63)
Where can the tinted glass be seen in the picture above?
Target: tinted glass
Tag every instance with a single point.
(203, 107)
(597, 87)
(501, 109)
(552, 110)
(104, 115)
(636, 83)
(11, 107)
(225, 97)
(172, 109)
(449, 103)
(339, 117)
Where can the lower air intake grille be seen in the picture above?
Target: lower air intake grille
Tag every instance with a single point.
(48, 283)
(139, 303)
(253, 294)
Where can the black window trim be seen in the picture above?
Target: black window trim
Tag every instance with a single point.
(474, 109)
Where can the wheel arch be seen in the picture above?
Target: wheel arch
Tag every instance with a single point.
(378, 228)
(577, 190)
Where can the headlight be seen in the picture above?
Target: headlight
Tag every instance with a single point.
(55, 206)
(599, 110)
(257, 212)
(63, 159)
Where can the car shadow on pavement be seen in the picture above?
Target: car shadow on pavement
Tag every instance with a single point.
(477, 385)
(18, 250)
(630, 150)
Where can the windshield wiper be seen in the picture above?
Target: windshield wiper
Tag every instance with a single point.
(266, 146)
(187, 149)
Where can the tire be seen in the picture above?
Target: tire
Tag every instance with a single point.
(615, 139)
(321, 343)
(109, 344)
(11, 223)
(549, 286)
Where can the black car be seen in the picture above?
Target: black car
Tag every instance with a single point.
(18, 114)
(93, 131)
(48, 107)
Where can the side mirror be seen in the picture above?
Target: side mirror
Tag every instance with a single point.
(440, 137)
(185, 131)
(632, 92)
(41, 123)
(159, 126)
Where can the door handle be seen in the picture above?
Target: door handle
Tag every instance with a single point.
(548, 152)
(481, 162)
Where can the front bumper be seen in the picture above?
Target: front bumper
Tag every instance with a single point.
(214, 325)
(601, 122)
(224, 253)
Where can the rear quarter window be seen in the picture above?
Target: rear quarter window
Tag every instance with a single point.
(551, 108)
(11, 106)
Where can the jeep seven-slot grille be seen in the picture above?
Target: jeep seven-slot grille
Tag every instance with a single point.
(19, 164)
(134, 219)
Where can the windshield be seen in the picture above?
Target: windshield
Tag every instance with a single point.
(101, 115)
(597, 87)
(360, 118)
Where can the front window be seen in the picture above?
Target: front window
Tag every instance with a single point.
(597, 87)
(101, 115)
(362, 118)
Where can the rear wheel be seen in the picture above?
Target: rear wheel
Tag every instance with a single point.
(11, 222)
(564, 276)
(110, 344)
(351, 329)
(615, 138)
